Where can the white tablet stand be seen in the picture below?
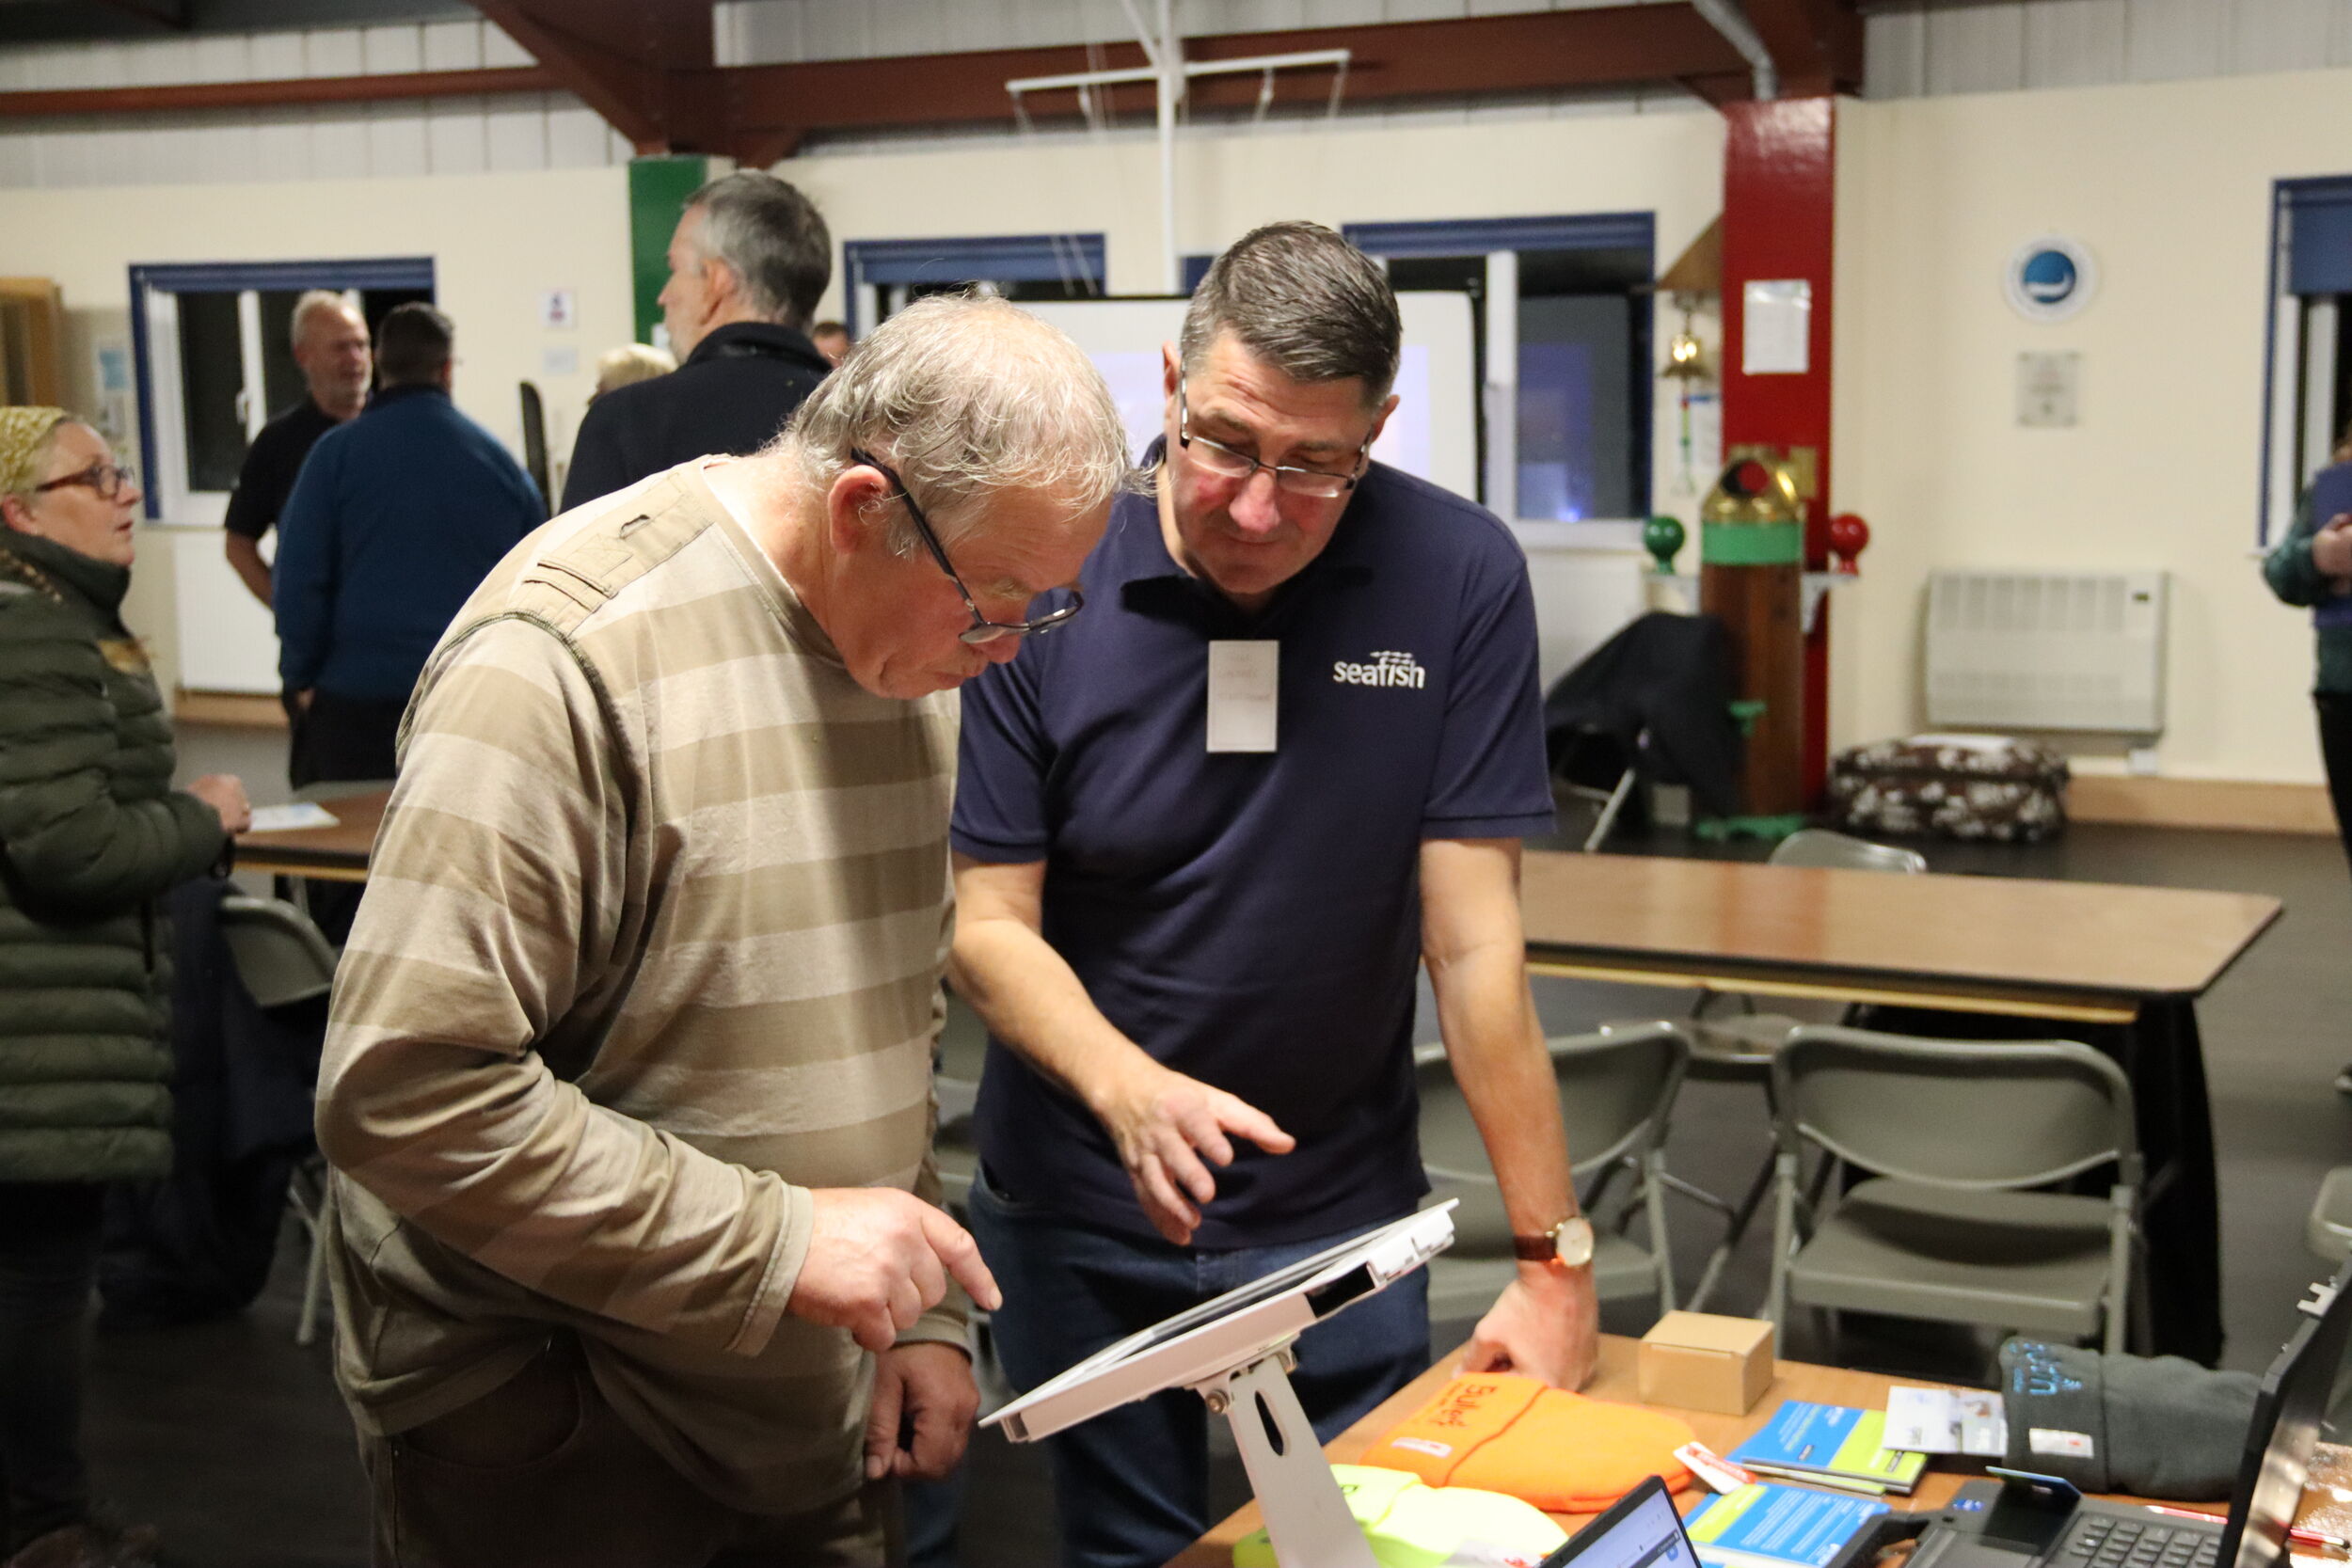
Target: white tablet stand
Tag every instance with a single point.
(1235, 1353)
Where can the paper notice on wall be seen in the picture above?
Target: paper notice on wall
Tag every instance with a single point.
(1776, 335)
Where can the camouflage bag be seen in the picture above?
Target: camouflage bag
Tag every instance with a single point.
(1974, 786)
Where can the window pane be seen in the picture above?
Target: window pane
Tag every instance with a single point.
(1577, 453)
(212, 373)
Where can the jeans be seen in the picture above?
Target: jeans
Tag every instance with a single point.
(1132, 1485)
(2335, 750)
(48, 1264)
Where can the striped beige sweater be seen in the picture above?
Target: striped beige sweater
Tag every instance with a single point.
(651, 945)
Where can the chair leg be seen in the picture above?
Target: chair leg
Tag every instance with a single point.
(1662, 1254)
(1742, 1216)
(2119, 1271)
(1784, 1236)
(1609, 812)
(314, 1274)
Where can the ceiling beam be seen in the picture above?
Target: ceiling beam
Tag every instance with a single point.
(1599, 47)
(1815, 45)
(184, 96)
(646, 67)
(621, 57)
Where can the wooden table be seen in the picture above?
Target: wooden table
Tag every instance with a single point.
(1795, 1380)
(2120, 968)
(2080, 952)
(336, 854)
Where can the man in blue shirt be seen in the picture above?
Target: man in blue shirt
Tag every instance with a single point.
(1204, 832)
(396, 517)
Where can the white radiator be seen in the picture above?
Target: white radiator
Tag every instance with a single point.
(2047, 650)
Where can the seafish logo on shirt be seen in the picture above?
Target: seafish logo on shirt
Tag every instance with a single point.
(1388, 667)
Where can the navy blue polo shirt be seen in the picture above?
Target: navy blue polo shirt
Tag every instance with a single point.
(1253, 919)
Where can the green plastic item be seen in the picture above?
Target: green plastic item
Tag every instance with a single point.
(1410, 1523)
(1772, 827)
(1751, 543)
(1745, 711)
(1663, 537)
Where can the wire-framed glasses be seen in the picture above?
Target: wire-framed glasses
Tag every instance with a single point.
(982, 629)
(1224, 461)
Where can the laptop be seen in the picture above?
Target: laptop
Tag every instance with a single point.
(2027, 1521)
(1641, 1529)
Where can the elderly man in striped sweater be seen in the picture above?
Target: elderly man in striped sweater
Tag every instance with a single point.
(637, 1257)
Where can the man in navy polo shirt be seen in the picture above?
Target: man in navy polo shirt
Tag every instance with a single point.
(1203, 834)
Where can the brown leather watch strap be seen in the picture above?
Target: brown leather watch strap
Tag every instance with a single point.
(1535, 1250)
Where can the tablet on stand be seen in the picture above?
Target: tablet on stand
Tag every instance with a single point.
(1235, 1351)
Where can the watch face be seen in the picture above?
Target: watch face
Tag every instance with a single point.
(1573, 1241)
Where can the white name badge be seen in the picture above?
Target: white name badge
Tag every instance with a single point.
(1244, 680)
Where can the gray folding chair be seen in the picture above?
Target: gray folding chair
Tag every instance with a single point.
(1955, 1135)
(1616, 1094)
(1737, 1048)
(955, 1081)
(285, 958)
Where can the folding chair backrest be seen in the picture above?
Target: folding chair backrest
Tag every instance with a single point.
(1616, 1091)
(1818, 847)
(280, 956)
(1963, 1113)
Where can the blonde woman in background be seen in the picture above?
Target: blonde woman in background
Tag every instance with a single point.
(630, 364)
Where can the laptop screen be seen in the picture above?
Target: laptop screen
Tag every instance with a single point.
(1642, 1529)
(2306, 1401)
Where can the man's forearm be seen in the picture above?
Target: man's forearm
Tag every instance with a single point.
(1033, 1001)
(1496, 1047)
(244, 559)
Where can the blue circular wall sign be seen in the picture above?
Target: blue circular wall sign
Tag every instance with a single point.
(2050, 279)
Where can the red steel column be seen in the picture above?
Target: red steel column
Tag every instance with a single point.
(1780, 204)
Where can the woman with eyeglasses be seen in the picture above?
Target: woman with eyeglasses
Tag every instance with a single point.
(92, 835)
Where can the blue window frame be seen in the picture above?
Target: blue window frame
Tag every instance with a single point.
(1050, 266)
(1574, 445)
(389, 276)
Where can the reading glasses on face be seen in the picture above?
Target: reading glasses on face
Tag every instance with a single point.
(982, 629)
(1224, 461)
(109, 480)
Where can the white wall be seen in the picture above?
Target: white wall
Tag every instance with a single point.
(2169, 187)
(496, 239)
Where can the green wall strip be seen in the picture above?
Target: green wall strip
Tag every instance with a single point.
(657, 189)
(1751, 543)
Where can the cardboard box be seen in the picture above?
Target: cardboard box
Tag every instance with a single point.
(1698, 1361)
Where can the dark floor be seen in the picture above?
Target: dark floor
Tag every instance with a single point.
(233, 1440)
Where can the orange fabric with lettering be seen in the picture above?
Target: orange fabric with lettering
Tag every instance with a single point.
(1561, 1451)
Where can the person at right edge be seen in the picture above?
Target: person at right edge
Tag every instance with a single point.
(2312, 567)
(749, 259)
(1196, 950)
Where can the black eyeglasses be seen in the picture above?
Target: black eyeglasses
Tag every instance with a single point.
(1224, 461)
(982, 629)
(107, 479)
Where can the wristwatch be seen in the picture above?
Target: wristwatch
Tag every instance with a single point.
(1566, 1245)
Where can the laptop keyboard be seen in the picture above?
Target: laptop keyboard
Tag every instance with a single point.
(2109, 1542)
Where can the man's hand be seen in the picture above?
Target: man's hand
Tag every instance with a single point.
(1165, 1125)
(879, 1258)
(924, 1402)
(1546, 1324)
(225, 794)
(2332, 548)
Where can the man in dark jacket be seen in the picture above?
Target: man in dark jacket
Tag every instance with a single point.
(397, 517)
(748, 262)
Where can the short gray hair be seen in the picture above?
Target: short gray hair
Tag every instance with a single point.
(310, 304)
(1300, 298)
(966, 398)
(771, 237)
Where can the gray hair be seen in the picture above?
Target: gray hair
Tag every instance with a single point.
(310, 304)
(1300, 298)
(966, 398)
(771, 237)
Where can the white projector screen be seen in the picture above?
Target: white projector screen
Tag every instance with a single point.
(1434, 433)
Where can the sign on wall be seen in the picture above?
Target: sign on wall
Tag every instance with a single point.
(2050, 279)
